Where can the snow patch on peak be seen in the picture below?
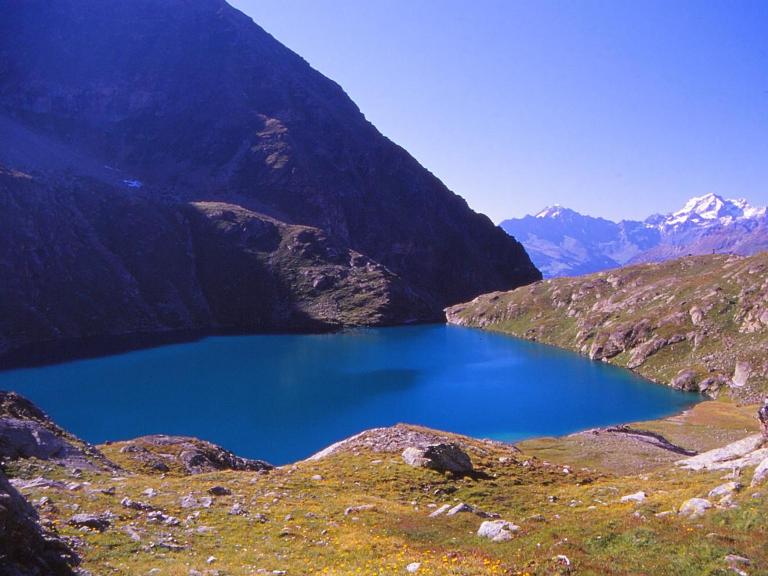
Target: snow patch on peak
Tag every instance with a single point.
(711, 209)
(550, 211)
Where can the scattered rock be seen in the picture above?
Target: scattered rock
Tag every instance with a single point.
(440, 457)
(725, 489)
(461, 507)
(695, 507)
(360, 508)
(128, 503)
(99, 522)
(636, 497)
(761, 473)
(237, 510)
(444, 508)
(413, 567)
(161, 453)
(219, 491)
(497, 530)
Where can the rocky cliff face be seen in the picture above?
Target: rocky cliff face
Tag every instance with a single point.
(171, 102)
(82, 260)
(698, 323)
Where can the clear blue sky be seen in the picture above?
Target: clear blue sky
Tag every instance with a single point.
(615, 108)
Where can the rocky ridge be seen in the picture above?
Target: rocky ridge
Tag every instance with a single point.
(697, 324)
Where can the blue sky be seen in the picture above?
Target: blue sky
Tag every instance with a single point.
(615, 108)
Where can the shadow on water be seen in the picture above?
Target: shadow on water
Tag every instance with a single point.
(283, 397)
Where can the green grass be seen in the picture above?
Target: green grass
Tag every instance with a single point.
(577, 515)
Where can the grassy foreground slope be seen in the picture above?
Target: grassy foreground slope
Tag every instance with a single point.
(361, 510)
(697, 323)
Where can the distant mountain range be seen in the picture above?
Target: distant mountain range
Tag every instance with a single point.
(562, 242)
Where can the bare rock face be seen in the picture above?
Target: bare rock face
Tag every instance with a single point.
(440, 457)
(182, 454)
(25, 548)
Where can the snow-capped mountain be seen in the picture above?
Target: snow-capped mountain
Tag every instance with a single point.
(563, 242)
(711, 209)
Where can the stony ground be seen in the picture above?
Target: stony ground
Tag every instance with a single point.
(360, 509)
(697, 323)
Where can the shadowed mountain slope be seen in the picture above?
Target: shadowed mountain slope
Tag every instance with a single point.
(169, 102)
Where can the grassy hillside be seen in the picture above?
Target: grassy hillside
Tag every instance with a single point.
(697, 323)
(362, 511)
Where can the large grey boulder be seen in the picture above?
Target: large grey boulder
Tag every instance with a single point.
(497, 530)
(440, 457)
(695, 507)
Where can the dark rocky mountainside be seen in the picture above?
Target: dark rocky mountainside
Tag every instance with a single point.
(124, 113)
(697, 323)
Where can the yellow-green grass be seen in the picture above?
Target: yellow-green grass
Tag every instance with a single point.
(575, 514)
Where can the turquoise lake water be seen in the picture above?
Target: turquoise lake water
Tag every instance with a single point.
(281, 398)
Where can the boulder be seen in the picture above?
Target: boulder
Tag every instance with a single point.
(219, 491)
(360, 508)
(497, 530)
(99, 522)
(725, 490)
(443, 509)
(761, 473)
(695, 507)
(636, 497)
(685, 380)
(440, 457)
(741, 374)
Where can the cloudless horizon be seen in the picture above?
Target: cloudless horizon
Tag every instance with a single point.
(615, 109)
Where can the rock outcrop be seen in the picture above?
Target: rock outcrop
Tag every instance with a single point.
(398, 438)
(25, 548)
(440, 457)
(179, 454)
(27, 432)
(697, 324)
(142, 176)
